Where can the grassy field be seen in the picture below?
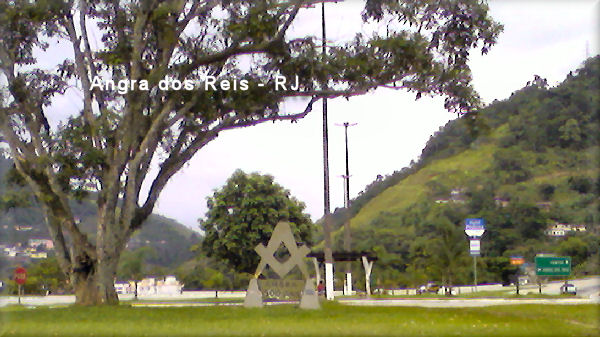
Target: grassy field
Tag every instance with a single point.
(457, 168)
(287, 320)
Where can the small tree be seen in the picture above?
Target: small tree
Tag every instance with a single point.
(448, 250)
(44, 276)
(547, 191)
(243, 214)
(131, 265)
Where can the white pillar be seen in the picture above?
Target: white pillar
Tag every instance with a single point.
(368, 267)
(317, 272)
(348, 284)
(329, 280)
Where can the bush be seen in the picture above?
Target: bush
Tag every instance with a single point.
(580, 184)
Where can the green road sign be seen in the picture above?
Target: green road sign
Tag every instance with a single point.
(553, 265)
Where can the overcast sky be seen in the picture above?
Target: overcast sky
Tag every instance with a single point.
(546, 38)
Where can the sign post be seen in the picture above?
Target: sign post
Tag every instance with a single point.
(517, 261)
(474, 228)
(20, 278)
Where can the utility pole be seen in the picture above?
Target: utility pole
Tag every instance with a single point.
(347, 234)
(326, 218)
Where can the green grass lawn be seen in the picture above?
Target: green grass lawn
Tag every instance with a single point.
(287, 320)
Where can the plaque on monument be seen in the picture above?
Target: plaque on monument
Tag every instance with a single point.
(281, 289)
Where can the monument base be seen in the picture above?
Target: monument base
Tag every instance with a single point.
(310, 298)
(253, 295)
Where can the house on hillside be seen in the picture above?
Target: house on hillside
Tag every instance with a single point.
(38, 255)
(11, 251)
(457, 195)
(19, 228)
(46, 244)
(562, 229)
(501, 202)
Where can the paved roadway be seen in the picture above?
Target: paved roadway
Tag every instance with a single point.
(588, 292)
(588, 287)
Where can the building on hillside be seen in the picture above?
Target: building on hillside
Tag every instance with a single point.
(34, 249)
(501, 202)
(47, 244)
(11, 251)
(38, 255)
(19, 228)
(562, 229)
(578, 228)
(457, 195)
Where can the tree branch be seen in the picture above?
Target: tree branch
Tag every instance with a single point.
(60, 246)
(80, 64)
(88, 50)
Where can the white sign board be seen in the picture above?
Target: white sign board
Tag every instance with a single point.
(474, 227)
(475, 246)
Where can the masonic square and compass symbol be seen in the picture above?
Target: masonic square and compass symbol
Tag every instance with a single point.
(282, 234)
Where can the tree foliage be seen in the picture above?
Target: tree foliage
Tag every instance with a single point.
(132, 265)
(244, 213)
(447, 249)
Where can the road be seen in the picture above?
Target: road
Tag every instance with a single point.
(586, 288)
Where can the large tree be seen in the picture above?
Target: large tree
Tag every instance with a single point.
(109, 144)
(243, 213)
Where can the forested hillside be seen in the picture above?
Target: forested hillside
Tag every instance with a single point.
(523, 164)
(170, 240)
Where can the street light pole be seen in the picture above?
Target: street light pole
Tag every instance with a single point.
(326, 218)
(347, 234)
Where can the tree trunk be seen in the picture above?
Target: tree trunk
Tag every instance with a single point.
(93, 283)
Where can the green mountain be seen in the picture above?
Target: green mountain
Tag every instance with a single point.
(169, 239)
(523, 164)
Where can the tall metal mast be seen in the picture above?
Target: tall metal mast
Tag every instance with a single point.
(347, 234)
(326, 218)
